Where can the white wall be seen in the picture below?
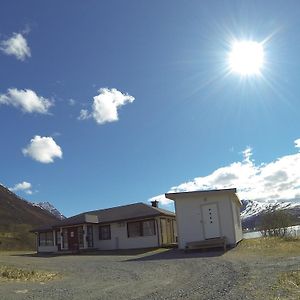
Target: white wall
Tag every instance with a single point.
(237, 219)
(120, 240)
(189, 217)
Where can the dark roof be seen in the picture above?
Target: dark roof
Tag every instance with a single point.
(114, 214)
(173, 195)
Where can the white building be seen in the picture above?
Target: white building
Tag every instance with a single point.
(204, 215)
(131, 226)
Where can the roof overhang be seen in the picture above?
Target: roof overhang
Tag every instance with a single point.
(180, 195)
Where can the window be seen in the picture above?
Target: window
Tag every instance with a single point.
(89, 236)
(46, 238)
(80, 236)
(141, 228)
(58, 237)
(148, 228)
(65, 238)
(104, 232)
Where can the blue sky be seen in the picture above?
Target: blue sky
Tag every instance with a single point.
(158, 107)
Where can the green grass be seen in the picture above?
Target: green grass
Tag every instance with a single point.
(19, 274)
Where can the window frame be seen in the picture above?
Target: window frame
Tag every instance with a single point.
(141, 228)
(48, 239)
(101, 238)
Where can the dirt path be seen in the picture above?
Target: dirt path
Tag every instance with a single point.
(167, 275)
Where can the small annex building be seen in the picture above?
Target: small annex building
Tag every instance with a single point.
(204, 215)
(131, 226)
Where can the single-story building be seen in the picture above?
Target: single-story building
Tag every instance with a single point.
(131, 226)
(203, 215)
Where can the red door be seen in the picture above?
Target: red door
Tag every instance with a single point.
(73, 238)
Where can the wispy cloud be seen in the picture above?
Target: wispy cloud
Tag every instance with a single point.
(16, 46)
(267, 182)
(24, 186)
(105, 106)
(43, 149)
(27, 100)
(71, 102)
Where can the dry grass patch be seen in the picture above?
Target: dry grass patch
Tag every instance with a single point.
(290, 280)
(13, 273)
(270, 246)
(288, 286)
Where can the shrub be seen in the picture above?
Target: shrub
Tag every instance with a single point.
(275, 223)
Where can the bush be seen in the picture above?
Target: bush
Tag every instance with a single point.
(275, 223)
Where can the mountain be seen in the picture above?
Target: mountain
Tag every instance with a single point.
(50, 208)
(251, 211)
(17, 218)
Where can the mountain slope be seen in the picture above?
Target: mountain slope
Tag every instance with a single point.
(50, 208)
(17, 217)
(252, 211)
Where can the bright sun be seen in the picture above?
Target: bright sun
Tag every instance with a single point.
(246, 58)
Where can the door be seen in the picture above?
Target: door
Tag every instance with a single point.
(211, 221)
(166, 231)
(73, 238)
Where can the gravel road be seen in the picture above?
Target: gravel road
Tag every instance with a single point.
(165, 275)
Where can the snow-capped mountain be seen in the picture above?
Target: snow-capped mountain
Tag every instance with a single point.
(252, 210)
(50, 208)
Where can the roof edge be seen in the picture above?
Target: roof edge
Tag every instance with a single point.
(173, 196)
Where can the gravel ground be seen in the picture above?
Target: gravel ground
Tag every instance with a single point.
(153, 275)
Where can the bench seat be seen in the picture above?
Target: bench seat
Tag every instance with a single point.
(208, 243)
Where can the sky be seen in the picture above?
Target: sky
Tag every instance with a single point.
(107, 103)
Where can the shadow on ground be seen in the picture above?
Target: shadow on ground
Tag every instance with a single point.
(125, 252)
(138, 254)
(179, 254)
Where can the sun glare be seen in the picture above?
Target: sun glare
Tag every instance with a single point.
(246, 58)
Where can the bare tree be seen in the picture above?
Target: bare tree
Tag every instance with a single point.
(275, 223)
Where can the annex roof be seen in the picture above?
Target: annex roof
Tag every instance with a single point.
(174, 196)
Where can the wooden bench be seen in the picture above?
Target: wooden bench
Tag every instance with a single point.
(209, 243)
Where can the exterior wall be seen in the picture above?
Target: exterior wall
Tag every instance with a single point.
(119, 237)
(120, 240)
(236, 207)
(47, 249)
(189, 217)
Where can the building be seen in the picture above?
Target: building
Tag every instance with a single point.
(204, 215)
(125, 227)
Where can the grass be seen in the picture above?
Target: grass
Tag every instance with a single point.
(17, 237)
(288, 285)
(19, 274)
(269, 246)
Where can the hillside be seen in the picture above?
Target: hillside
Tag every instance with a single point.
(17, 217)
(252, 211)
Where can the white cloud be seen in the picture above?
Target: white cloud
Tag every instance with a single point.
(17, 46)
(297, 143)
(72, 102)
(43, 149)
(22, 186)
(27, 100)
(105, 106)
(84, 114)
(267, 182)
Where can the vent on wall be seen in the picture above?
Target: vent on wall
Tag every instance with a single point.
(121, 224)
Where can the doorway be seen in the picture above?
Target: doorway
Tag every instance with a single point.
(211, 221)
